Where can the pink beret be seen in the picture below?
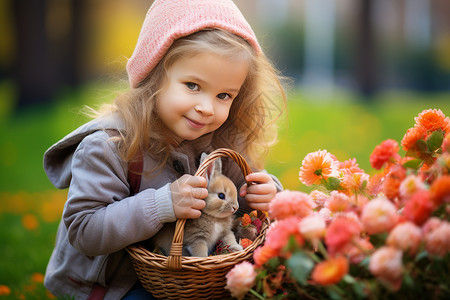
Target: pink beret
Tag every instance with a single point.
(168, 20)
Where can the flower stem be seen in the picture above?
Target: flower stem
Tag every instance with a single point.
(255, 293)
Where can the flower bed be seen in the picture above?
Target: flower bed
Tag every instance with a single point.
(357, 236)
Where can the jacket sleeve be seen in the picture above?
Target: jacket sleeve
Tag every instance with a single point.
(100, 216)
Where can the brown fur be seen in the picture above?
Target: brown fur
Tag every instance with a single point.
(201, 234)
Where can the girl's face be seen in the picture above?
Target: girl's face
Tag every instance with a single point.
(197, 94)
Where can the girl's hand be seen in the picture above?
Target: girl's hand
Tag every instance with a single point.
(260, 193)
(188, 193)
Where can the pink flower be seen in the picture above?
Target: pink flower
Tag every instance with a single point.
(341, 232)
(406, 237)
(386, 264)
(280, 232)
(436, 235)
(312, 228)
(241, 279)
(354, 181)
(325, 214)
(419, 207)
(338, 202)
(385, 153)
(290, 203)
(379, 215)
(410, 185)
(318, 165)
(319, 198)
(358, 250)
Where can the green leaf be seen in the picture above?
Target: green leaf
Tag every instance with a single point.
(422, 146)
(333, 184)
(434, 141)
(413, 164)
(300, 265)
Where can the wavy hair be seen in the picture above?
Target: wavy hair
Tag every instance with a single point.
(250, 128)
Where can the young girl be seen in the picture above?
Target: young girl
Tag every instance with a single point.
(199, 81)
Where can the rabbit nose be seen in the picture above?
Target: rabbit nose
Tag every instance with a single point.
(234, 209)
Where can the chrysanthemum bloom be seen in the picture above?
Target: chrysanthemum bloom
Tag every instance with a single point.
(340, 232)
(375, 184)
(350, 166)
(406, 237)
(432, 119)
(379, 215)
(241, 279)
(385, 153)
(440, 190)
(354, 182)
(4, 290)
(281, 231)
(330, 271)
(338, 202)
(410, 185)
(262, 254)
(312, 228)
(358, 250)
(319, 198)
(318, 165)
(419, 207)
(386, 264)
(290, 203)
(325, 214)
(411, 137)
(437, 241)
(392, 182)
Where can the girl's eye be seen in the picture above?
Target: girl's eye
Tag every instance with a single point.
(192, 86)
(221, 196)
(224, 96)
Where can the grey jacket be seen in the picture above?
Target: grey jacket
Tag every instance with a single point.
(100, 218)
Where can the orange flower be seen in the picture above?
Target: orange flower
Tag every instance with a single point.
(4, 290)
(419, 207)
(384, 153)
(350, 166)
(432, 119)
(30, 222)
(245, 243)
(262, 254)
(246, 220)
(318, 165)
(37, 277)
(330, 271)
(440, 190)
(392, 181)
(411, 137)
(375, 184)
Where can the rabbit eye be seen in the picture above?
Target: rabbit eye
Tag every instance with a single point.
(221, 196)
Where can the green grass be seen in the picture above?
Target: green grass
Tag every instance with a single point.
(339, 123)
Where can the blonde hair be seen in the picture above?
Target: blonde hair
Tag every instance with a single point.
(250, 128)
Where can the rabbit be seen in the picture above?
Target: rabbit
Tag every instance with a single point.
(215, 222)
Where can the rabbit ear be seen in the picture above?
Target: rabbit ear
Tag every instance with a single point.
(214, 169)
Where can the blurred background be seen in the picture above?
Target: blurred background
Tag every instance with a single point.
(360, 71)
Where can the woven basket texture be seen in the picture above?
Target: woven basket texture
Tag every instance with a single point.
(186, 277)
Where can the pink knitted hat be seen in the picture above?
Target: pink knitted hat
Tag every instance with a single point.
(168, 20)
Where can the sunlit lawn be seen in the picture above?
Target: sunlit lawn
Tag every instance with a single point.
(30, 207)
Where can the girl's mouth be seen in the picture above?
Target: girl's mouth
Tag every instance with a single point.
(195, 124)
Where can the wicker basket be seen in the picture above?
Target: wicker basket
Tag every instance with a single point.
(186, 277)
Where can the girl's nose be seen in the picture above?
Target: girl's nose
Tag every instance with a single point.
(205, 107)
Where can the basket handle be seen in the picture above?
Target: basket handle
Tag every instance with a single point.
(174, 258)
